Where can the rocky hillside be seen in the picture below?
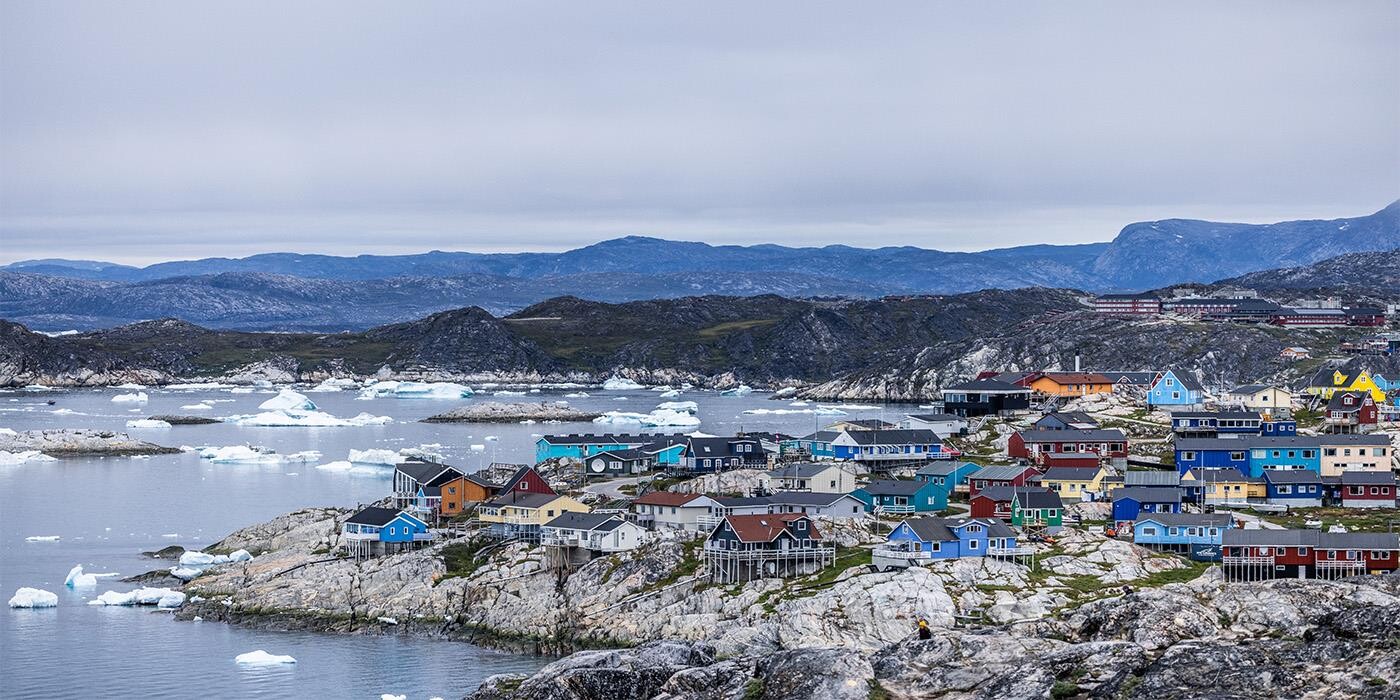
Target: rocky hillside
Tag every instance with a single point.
(900, 348)
(1354, 275)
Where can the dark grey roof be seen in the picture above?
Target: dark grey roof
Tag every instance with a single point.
(1311, 538)
(1142, 477)
(997, 493)
(894, 437)
(723, 447)
(1344, 439)
(1292, 476)
(803, 470)
(521, 499)
(894, 487)
(942, 467)
(936, 417)
(1038, 498)
(375, 516)
(987, 386)
(1148, 494)
(1226, 415)
(997, 472)
(866, 423)
(1107, 435)
(821, 436)
(935, 529)
(1132, 378)
(806, 498)
(582, 521)
(1351, 477)
(1186, 380)
(1187, 519)
(1250, 388)
(1070, 473)
(426, 472)
(628, 455)
(598, 439)
(1338, 402)
(740, 501)
(1221, 474)
(1069, 417)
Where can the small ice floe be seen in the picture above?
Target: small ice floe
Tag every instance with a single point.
(818, 411)
(850, 407)
(798, 404)
(509, 393)
(197, 407)
(290, 418)
(741, 390)
(389, 620)
(160, 597)
(388, 458)
(682, 406)
(33, 598)
(616, 383)
(670, 394)
(43, 538)
(13, 458)
(63, 412)
(660, 418)
(78, 579)
(147, 423)
(576, 395)
(138, 397)
(288, 400)
(416, 390)
(391, 696)
(171, 535)
(241, 390)
(239, 454)
(262, 658)
(477, 448)
(129, 386)
(334, 384)
(620, 398)
(194, 386)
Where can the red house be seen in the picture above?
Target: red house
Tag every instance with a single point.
(1067, 448)
(1348, 411)
(527, 480)
(998, 475)
(993, 502)
(1367, 489)
(1262, 554)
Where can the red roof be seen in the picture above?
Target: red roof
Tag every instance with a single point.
(666, 498)
(766, 528)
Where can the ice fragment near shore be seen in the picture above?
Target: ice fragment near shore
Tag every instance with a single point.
(288, 400)
(262, 658)
(33, 598)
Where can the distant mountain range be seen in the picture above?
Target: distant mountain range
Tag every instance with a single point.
(286, 291)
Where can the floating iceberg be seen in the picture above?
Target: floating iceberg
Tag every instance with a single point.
(262, 658)
(239, 454)
(673, 393)
(197, 407)
(11, 458)
(334, 384)
(819, 411)
(416, 390)
(34, 598)
(140, 596)
(147, 423)
(78, 579)
(138, 397)
(741, 390)
(576, 395)
(130, 385)
(43, 538)
(287, 400)
(388, 458)
(620, 384)
(287, 418)
(509, 393)
(660, 418)
(193, 386)
(682, 406)
(851, 407)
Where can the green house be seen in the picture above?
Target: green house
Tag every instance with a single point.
(1032, 506)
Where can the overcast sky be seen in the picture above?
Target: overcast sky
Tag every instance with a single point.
(139, 131)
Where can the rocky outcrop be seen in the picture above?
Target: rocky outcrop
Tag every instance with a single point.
(79, 443)
(499, 412)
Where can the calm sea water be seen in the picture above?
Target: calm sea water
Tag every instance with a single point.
(109, 510)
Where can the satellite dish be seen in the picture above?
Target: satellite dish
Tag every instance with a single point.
(598, 466)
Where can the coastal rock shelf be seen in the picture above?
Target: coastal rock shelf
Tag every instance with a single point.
(79, 443)
(500, 412)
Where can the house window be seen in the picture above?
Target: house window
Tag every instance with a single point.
(1237, 456)
(1149, 531)
(802, 524)
(972, 544)
(1188, 456)
(1302, 551)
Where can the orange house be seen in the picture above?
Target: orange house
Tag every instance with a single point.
(1070, 384)
(463, 491)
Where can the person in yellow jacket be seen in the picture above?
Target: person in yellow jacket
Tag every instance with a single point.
(924, 631)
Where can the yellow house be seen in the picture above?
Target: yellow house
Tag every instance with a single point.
(519, 513)
(1351, 452)
(1325, 385)
(1224, 485)
(1074, 483)
(1071, 384)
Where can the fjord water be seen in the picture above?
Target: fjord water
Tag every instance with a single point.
(108, 510)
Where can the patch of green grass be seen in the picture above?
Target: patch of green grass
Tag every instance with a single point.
(689, 564)
(1086, 583)
(1193, 571)
(726, 328)
(461, 558)
(1064, 689)
(876, 691)
(755, 689)
(1371, 519)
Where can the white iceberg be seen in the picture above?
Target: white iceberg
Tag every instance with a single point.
(34, 598)
(287, 418)
(576, 395)
(660, 418)
(197, 407)
(741, 390)
(78, 579)
(671, 394)
(334, 384)
(199, 559)
(240, 555)
(416, 390)
(336, 466)
(239, 454)
(388, 458)
(138, 397)
(147, 423)
(682, 406)
(262, 658)
(171, 600)
(194, 386)
(130, 385)
(43, 538)
(185, 573)
(616, 383)
(819, 411)
(12, 458)
(140, 596)
(509, 393)
(288, 400)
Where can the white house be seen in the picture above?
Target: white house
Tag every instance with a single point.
(603, 533)
(819, 478)
(837, 506)
(675, 510)
(944, 424)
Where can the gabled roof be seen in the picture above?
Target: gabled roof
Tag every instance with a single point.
(893, 437)
(894, 487)
(1311, 538)
(805, 470)
(767, 527)
(628, 455)
(1292, 476)
(1132, 378)
(665, 498)
(1151, 478)
(943, 467)
(1186, 380)
(1070, 418)
(1256, 388)
(935, 529)
(520, 474)
(1148, 494)
(1070, 473)
(1221, 474)
(936, 417)
(423, 472)
(722, 446)
(821, 436)
(1038, 498)
(1187, 519)
(997, 493)
(1092, 435)
(1357, 478)
(987, 386)
(584, 521)
(1338, 402)
(998, 472)
(376, 516)
(806, 498)
(1073, 378)
(518, 499)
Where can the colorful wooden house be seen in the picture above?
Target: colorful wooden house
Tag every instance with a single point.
(1032, 507)
(942, 424)
(415, 483)
(1200, 534)
(1266, 554)
(457, 496)
(1069, 447)
(612, 463)
(1073, 483)
(1263, 398)
(748, 547)
(1350, 412)
(820, 477)
(1328, 381)
(837, 506)
(1070, 384)
(596, 533)
(716, 454)
(1131, 503)
(919, 541)
(670, 509)
(902, 496)
(993, 502)
(1367, 489)
(1209, 424)
(521, 514)
(985, 397)
(948, 474)
(377, 530)
(1354, 452)
(875, 446)
(1223, 486)
(1250, 455)
(1172, 389)
(991, 476)
(1295, 488)
(814, 446)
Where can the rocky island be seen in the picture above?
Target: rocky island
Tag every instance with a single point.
(500, 412)
(78, 443)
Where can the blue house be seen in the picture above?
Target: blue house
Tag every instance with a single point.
(1131, 503)
(1211, 453)
(902, 496)
(814, 446)
(887, 445)
(1297, 488)
(1172, 389)
(377, 530)
(952, 538)
(666, 450)
(1278, 428)
(1197, 533)
(1295, 452)
(947, 474)
(1207, 424)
